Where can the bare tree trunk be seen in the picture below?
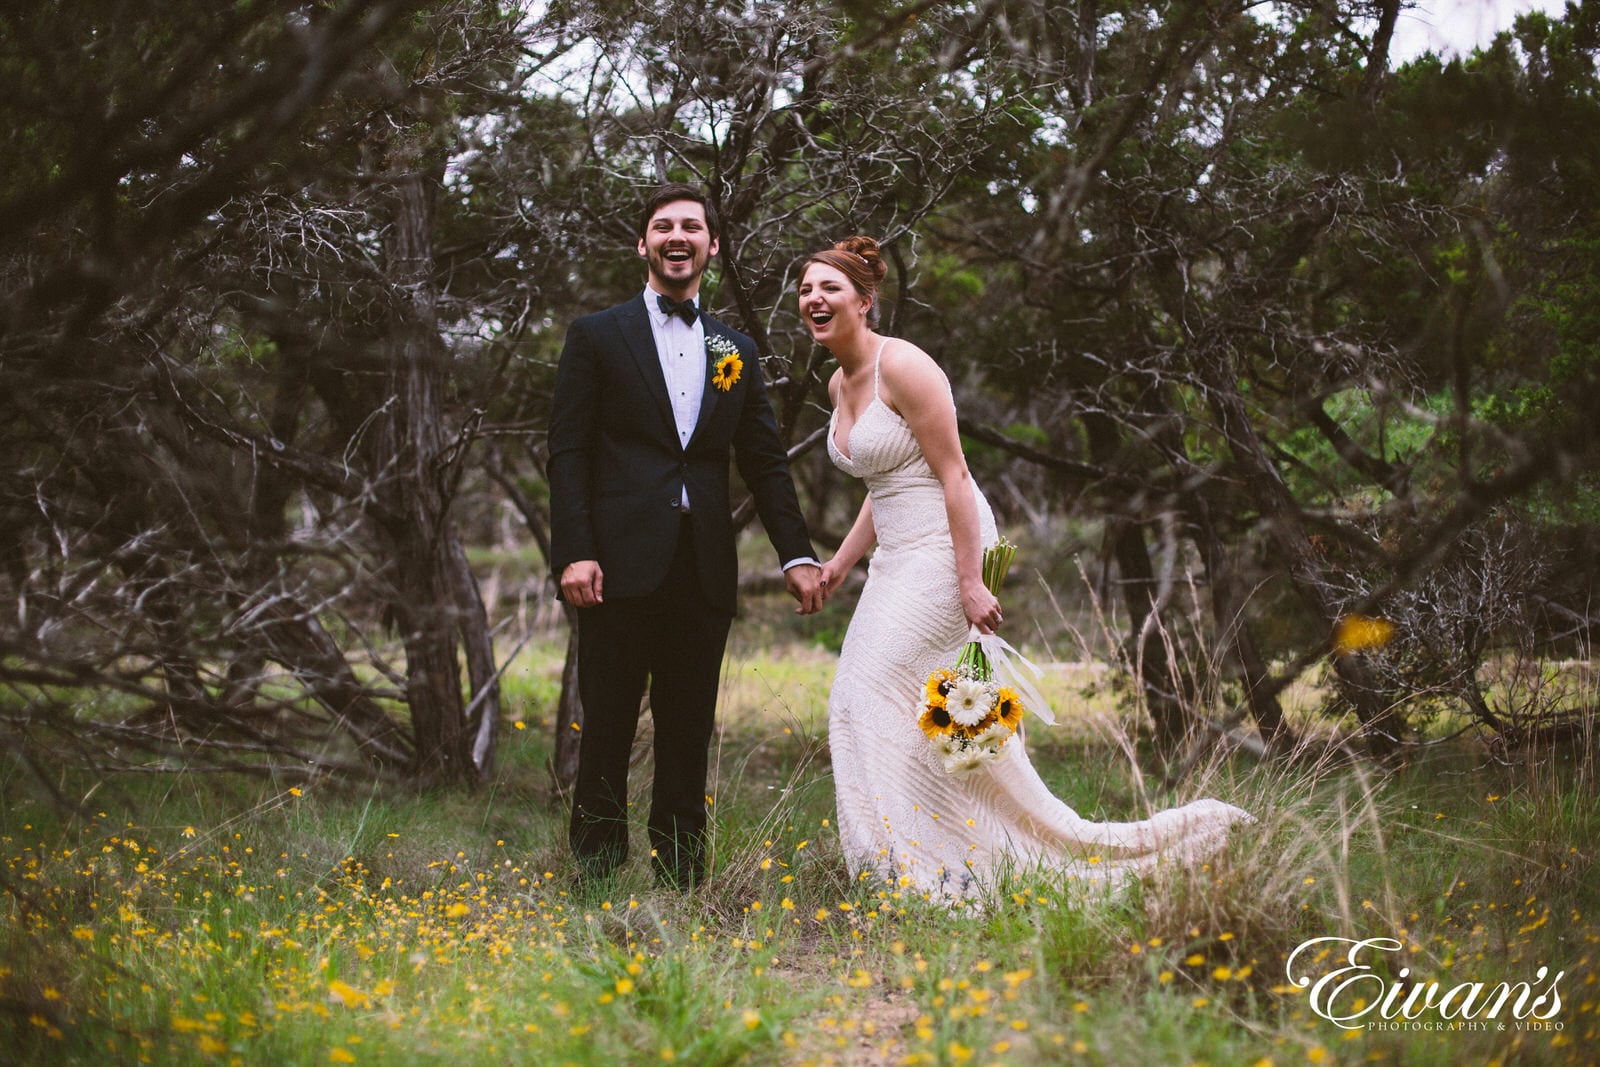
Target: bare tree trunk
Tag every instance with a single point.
(1372, 81)
(483, 714)
(569, 713)
(1141, 596)
(569, 708)
(1280, 515)
(1285, 533)
(1140, 593)
(436, 602)
(1233, 632)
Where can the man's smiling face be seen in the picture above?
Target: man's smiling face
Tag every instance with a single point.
(676, 247)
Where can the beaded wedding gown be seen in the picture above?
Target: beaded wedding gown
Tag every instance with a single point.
(902, 818)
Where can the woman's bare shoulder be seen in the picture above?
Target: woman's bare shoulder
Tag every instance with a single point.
(911, 374)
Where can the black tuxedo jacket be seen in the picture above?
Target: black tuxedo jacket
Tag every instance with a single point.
(617, 469)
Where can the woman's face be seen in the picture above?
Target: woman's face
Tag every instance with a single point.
(829, 303)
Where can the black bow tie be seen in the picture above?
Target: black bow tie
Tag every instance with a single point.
(683, 308)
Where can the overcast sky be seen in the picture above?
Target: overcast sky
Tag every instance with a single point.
(1450, 27)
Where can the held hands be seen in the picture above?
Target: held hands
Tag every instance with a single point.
(805, 586)
(581, 583)
(981, 608)
(832, 577)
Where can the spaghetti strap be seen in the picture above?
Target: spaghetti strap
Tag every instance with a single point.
(876, 362)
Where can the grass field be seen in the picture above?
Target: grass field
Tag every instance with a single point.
(181, 919)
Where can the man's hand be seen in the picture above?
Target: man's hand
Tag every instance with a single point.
(805, 587)
(581, 582)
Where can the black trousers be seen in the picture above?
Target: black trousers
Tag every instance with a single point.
(672, 641)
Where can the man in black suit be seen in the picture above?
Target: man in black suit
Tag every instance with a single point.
(651, 396)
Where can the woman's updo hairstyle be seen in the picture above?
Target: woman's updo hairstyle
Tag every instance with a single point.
(859, 259)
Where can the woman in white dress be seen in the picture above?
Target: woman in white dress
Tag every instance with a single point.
(903, 818)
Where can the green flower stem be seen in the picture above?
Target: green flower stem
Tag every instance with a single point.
(974, 662)
(996, 563)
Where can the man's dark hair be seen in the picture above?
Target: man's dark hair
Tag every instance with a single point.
(672, 192)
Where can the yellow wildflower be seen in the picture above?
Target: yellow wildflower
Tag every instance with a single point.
(1357, 633)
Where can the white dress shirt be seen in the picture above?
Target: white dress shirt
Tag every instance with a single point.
(681, 348)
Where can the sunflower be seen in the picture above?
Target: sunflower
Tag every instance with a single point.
(1008, 707)
(935, 721)
(939, 683)
(726, 372)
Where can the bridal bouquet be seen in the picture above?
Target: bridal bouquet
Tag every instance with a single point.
(969, 711)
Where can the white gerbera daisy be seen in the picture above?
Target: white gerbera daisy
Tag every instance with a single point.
(967, 759)
(969, 701)
(996, 735)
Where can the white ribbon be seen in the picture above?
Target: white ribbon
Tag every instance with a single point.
(1006, 662)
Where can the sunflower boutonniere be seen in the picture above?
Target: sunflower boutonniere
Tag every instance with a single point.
(726, 365)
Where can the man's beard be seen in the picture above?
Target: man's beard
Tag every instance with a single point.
(681, 273)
